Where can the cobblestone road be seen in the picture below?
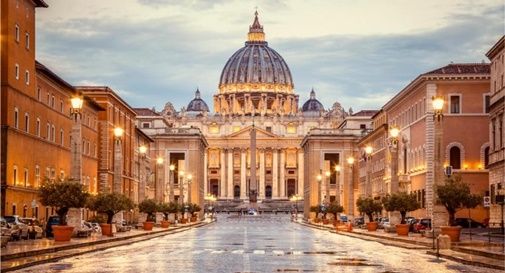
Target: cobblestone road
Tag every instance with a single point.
(256, 244)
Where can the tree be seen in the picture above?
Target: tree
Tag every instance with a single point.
(62, 195)
(110, 204)
(369, 206)
(402, 202)
(167, 208)
(456, 195)
(149, 207)
(194, 208)
(334, 208)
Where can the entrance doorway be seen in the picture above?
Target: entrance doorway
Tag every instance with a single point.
(268, 192)
(214, 187)
(291, 187)
(236, 192)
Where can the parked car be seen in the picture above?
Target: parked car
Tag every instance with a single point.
(35, 230)
(252, 212)
(94, 226)
(381, 221)
(122, 227)
(422, 224)
(411, 221)
(5, 227)
(343, 218)
(51, 221)
(83, 231)
(358, 221)
(467, 223)
(16, 223)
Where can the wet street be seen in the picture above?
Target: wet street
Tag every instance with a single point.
(255, 244)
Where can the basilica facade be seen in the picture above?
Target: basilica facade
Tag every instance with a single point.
(256, 91)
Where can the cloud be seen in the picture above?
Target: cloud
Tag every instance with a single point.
(164, 56)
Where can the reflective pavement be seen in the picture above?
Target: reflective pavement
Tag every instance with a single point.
(268, 243)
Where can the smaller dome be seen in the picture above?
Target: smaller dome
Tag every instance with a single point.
(197, 104)
(312, 105)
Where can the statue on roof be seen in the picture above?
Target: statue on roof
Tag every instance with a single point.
(168, 110)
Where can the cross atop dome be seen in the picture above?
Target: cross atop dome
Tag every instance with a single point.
(256, 33)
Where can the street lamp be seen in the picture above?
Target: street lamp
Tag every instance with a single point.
(118, 161)
(438, 213)
(142, 174)
(337, 182)
(189, 179)
(350, 162)
(171, 168)
(143, 150)
(394, 133)
(76, 161)
(368, 184)
(159, 162)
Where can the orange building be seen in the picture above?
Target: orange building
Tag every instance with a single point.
(35, 118)
(113, 156)
(465, 89)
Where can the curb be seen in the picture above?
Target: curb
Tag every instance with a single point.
(99, 245)
(466, 261)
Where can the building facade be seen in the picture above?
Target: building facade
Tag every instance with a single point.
(497, 131)
(255, 94)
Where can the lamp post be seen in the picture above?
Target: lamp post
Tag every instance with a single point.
(171, 182)
(118, 161)
(350, 162)
(189, 179)
(394, 132)
(76, 173)
(337, 182)
(438, 213)
(142, 174)
(295, 198)
(327, 175)
(157, 190)
(319, 179)
(181, 185)
(368, 183)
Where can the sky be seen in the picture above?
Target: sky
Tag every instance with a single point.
(359, 53)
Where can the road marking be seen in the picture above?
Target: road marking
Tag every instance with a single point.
(259, 252)
(297, 252)
(217, 251)
(238, 251)
(197, 251)
(278, 252)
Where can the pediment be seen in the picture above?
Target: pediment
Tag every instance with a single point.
(245, 133)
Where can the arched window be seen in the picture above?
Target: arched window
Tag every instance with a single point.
(455, 157)
(236, 192)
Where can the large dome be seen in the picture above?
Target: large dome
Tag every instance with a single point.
(256, 67)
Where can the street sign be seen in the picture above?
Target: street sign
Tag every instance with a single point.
(448, 171)
(487, 201)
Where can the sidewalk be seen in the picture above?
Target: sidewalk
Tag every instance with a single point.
(27, 253)
(479, 253)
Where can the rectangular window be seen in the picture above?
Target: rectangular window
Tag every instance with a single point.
(27, 42)
(269, 129)
(486, 103)
(52, 101)
(39, 95)
(16, 33)
(16, 118)
(61, 137)
(37, 127)
(15, 176)
(145, 124)
(455, 104)
(16, 72)
(27, 77)
(27, 123)
(53, 133)
(37, 175)
(48, 127)
(25, 178)
(61, 106)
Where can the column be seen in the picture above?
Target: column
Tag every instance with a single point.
(222, 168)
(205, 172)
(230, 173)
(275, 174)
(282, 179)
(261, 188)
(243, 176)
(300, 172)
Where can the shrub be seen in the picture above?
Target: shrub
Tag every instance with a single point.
(63, 195)
(402, 202)
(110, 204)
(149, 207)
(369, 206)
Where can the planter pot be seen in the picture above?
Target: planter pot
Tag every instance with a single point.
(184, 221)
(452, 232)
(165, 224)
(148, 225)
(317, 220)
(336, 223)
(371, 226)
(402, 229)
(62, 233)
(106, 229)
(193, 219)
(326, 221)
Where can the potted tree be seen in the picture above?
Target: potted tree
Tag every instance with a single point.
(403, 203)
(183, 208)
(109, 204)
(334, 208)
(149, 207)
(173, 209)
(369, 206)
(165, 209)
(62, 195)
(455, 195)
(193, 210)
(316, 210)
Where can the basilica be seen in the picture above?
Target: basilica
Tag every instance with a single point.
(256, 90)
